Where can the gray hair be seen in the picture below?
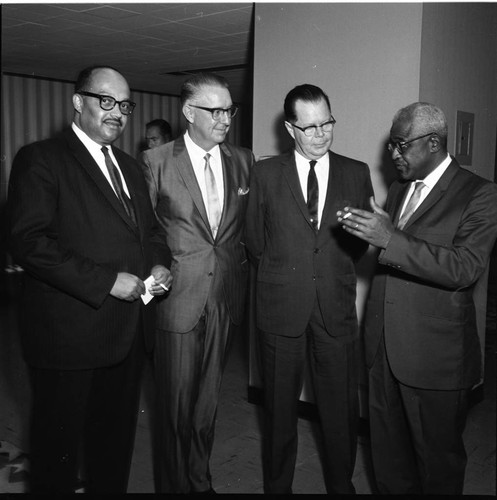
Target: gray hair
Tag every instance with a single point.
(424, 118)
(193, 86)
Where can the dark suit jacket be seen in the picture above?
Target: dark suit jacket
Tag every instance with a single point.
(422, 294)
(71, 235)
(295, 262)
(179, 206)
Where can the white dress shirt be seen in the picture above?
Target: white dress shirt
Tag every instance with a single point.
(322, 169)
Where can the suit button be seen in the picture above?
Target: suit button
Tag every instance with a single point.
(316, 250)
(211, 274)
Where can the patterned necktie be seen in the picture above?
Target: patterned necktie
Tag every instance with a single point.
(213, 203)
(313, 195)
(411, 205)
(118, 185)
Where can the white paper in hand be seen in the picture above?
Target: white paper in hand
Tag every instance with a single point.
(147, 296)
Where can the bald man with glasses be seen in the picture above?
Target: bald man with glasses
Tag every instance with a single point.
(83, 228)
(433, 242)
(199, 186)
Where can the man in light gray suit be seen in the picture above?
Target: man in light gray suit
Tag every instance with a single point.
(198, 185)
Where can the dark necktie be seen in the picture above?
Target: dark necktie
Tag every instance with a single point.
(118, 185)
(213, 203)
(313, 195)
(411, 204)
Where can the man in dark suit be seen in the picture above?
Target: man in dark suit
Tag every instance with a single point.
(421, 340)
(306, 289)
(86, 245)
(198, 185)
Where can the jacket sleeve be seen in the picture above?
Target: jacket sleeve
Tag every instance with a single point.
(33, 232)
(457, 263)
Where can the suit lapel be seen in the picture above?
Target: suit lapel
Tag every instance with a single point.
(229, 187)
(335, 179)
(185, 170)
(86, 161)
(289, 169)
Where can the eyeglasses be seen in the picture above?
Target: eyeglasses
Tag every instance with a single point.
(311, 129)
(402, 146)
(107, 102)
(218, 112)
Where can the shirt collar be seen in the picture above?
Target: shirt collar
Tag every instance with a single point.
(197, 153)
(301, 160)
(89, 143)
(433, 177)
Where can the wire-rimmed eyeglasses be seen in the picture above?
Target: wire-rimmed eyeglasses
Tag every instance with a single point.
(107, 102)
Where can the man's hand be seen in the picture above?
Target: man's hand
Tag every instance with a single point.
(374, 227)
(163, 279)
(127, 287)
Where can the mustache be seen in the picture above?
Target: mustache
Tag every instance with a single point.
(114, 120)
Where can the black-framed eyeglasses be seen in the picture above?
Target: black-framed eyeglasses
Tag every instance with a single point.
(217, 113)
(311, 129)
(107, 102)
(402, 146)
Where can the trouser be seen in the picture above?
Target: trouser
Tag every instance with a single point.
(85, 413)
(333, 364)
(416, 434)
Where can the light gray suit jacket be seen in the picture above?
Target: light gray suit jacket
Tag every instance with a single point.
(196, 255)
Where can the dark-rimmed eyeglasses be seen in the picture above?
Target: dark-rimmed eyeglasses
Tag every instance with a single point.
(217, 113)
(311, 129)
(107, 102)
(402, 146)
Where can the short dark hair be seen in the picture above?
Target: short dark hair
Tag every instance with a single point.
(192, 86)
(305, 92)
(163, 126)
(85, 76)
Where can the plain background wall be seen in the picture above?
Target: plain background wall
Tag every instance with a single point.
(364, 56)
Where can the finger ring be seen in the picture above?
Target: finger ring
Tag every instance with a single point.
(356, 226)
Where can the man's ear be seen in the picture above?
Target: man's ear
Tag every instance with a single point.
(435, 144)
(188, 113)
(290, 129)
(77, 102)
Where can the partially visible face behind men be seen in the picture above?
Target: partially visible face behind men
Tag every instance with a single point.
(416, 162)
(154, 137)
(203, 129)
(311, 113)
(104, 127)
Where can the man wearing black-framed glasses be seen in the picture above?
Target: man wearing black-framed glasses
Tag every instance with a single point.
(83, 228)
(433, 241)
(199, 188)
(306, 290)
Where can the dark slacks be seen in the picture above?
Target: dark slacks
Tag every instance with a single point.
(88, 414)
(333, 366)
(188, 370)
(416, 435)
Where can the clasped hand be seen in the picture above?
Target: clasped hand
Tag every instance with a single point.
(374, 227)
(129, 287)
